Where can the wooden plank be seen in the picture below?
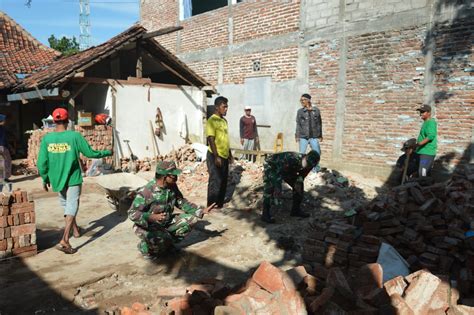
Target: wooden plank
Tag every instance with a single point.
(162, 31)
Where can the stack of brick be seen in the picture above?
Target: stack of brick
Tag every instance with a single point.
(183, 154)
(144, 165)
(340, 244)
(99, 137)
(17, 225)
(426, 225)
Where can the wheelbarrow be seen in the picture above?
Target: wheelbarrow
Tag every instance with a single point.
(120, 189)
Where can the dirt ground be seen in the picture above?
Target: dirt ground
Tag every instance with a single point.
(107, 272)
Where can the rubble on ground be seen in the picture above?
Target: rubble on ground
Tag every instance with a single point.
(22, 167)
(129, 166)
(426, 225)
(181, 155)
(328, 291)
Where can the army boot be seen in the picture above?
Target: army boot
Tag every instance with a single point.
(267, 217)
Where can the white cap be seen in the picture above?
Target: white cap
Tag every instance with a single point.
(247, 107)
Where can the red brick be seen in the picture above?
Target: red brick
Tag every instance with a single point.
(23, 229)
(395, 285)
(9, 220)
(4, 222)
(6, 199)
(138, 307)
(3, 245)
(420, 292)
(269, 277)
(24, 196)
(297, 274)
(179, 305)
(4, 210)
(22, 207)
(322, 299)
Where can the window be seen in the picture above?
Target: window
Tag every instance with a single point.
(188, 8)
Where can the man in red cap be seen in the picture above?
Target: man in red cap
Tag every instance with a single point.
(58, 166)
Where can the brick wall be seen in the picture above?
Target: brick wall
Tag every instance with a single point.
(158, 14)
(323, 73)
(205, 30)
(169, 41)
(207, 69)
(257, 19)
(454, 82)
(384, 87)
(279, 64)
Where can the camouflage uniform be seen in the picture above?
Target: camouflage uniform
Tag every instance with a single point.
(157, 237)
(285, 166)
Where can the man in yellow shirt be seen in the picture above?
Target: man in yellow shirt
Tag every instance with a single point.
(218, 155)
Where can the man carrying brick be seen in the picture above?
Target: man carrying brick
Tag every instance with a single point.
(292, 168)
(58, 166)
(218, 155)
(427, 142)
(152, 211)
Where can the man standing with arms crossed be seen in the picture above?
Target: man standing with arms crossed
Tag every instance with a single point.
(58, 166)
(218, 155)
(427, 142)
(308, 126)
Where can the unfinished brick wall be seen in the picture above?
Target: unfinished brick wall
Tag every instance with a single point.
(383, 89)
(159, 14)
(207, 69)
(279, 64)
(454, 83)
(205, 30)
(17, 225)
(323, 74)
(258, 19)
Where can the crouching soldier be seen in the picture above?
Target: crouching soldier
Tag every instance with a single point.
(152, 212)
(292, 168)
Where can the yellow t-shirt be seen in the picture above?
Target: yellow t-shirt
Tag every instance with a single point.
(217, 127)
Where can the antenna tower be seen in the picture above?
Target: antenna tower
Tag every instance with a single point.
(84, 25)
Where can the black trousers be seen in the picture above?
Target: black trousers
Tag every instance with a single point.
(217, 185)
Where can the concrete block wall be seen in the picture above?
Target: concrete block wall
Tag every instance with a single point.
(368, 64)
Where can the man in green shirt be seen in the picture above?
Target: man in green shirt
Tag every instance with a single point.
(58, 166)
(218, 154)
(427, 142)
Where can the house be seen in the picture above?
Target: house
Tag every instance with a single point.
(368, 65)
(128, 77)
(20, 55)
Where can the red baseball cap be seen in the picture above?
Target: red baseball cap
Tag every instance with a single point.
(60, 114)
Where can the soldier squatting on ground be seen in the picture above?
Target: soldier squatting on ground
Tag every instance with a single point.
(292, 168)
(152, 211)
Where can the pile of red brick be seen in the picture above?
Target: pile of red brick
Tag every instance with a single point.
(126, 165)
(99, 137)
(17, 225)
(183, 154)
(426, 224)
(273, 291)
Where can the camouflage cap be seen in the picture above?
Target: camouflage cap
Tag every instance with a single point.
(313, 158)
(167, 168)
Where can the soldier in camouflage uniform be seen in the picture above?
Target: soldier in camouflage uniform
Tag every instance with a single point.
(292, 168)
(152, 212)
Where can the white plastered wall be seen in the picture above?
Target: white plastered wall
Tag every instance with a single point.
(136, 106)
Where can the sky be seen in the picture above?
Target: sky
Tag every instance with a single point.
(61, 17)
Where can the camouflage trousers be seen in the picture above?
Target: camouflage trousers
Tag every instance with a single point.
(158, 240)
(269, 199)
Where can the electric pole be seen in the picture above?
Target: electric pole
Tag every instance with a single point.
(84, 25)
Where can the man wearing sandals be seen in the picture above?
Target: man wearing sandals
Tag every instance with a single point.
(58, 166)
(152, 211)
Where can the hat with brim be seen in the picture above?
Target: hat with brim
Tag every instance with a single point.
(167, 168)
(424, 108)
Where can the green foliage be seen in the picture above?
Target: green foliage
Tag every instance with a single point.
(67, 46)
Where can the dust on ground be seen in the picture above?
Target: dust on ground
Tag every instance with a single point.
(107, 270)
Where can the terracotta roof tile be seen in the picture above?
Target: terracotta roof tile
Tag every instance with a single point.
(20, 53)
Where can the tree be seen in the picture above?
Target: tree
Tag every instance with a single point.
(67, 46)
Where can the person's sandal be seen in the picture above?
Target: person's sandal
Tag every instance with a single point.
(66, 249)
